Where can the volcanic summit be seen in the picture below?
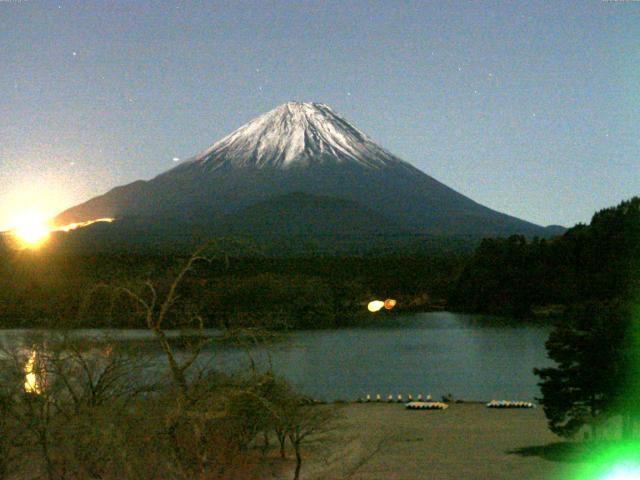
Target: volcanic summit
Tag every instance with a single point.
(298, 155)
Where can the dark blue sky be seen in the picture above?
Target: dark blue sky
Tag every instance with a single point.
(531, 108)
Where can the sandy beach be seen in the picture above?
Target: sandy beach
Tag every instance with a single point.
(467, 441)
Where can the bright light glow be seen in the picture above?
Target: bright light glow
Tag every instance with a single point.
(31, 229)
(624, 472)
(610, 461)
(389, 303)
(31, 383)
(375, 305)
(73, 226)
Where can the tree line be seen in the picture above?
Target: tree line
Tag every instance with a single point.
(592, 273)
(41, 289)
(595, 262)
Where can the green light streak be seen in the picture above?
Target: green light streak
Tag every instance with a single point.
(619, 461)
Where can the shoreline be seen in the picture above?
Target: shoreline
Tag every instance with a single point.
(380, 441)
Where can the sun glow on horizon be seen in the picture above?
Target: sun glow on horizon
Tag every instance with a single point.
(73, 226)
(31, 229)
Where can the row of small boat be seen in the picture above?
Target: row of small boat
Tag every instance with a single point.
(509, 404)
(426, 406)
(429, 404)
(399, 398)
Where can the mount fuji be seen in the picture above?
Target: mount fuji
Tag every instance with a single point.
(300, 169)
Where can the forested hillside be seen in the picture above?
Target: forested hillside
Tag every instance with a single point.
(595, 262)
(510, 276)
(37, 289)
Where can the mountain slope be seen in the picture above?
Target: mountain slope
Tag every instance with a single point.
(297, 214)
(300, 147)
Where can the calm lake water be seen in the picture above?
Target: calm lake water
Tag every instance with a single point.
(471, 357)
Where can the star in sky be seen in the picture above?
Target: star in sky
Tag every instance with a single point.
(461, 51)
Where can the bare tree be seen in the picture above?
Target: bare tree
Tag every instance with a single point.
(54, 388)
(193, 412)
(304, 421)
(12, 435)
(156, 311)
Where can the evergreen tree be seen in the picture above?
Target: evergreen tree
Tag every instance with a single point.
(594, 364)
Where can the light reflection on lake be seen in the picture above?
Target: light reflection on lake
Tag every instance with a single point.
(438, 353)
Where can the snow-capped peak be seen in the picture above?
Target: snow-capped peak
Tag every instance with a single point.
(295, 134)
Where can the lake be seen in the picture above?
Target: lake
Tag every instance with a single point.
(470, 356)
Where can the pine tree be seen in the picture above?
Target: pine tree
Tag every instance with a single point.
(594, 365)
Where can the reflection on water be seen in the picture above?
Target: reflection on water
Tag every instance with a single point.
(470, 356)
(32, 384)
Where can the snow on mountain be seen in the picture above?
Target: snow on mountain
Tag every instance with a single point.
(294, 134)
(298, 148)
